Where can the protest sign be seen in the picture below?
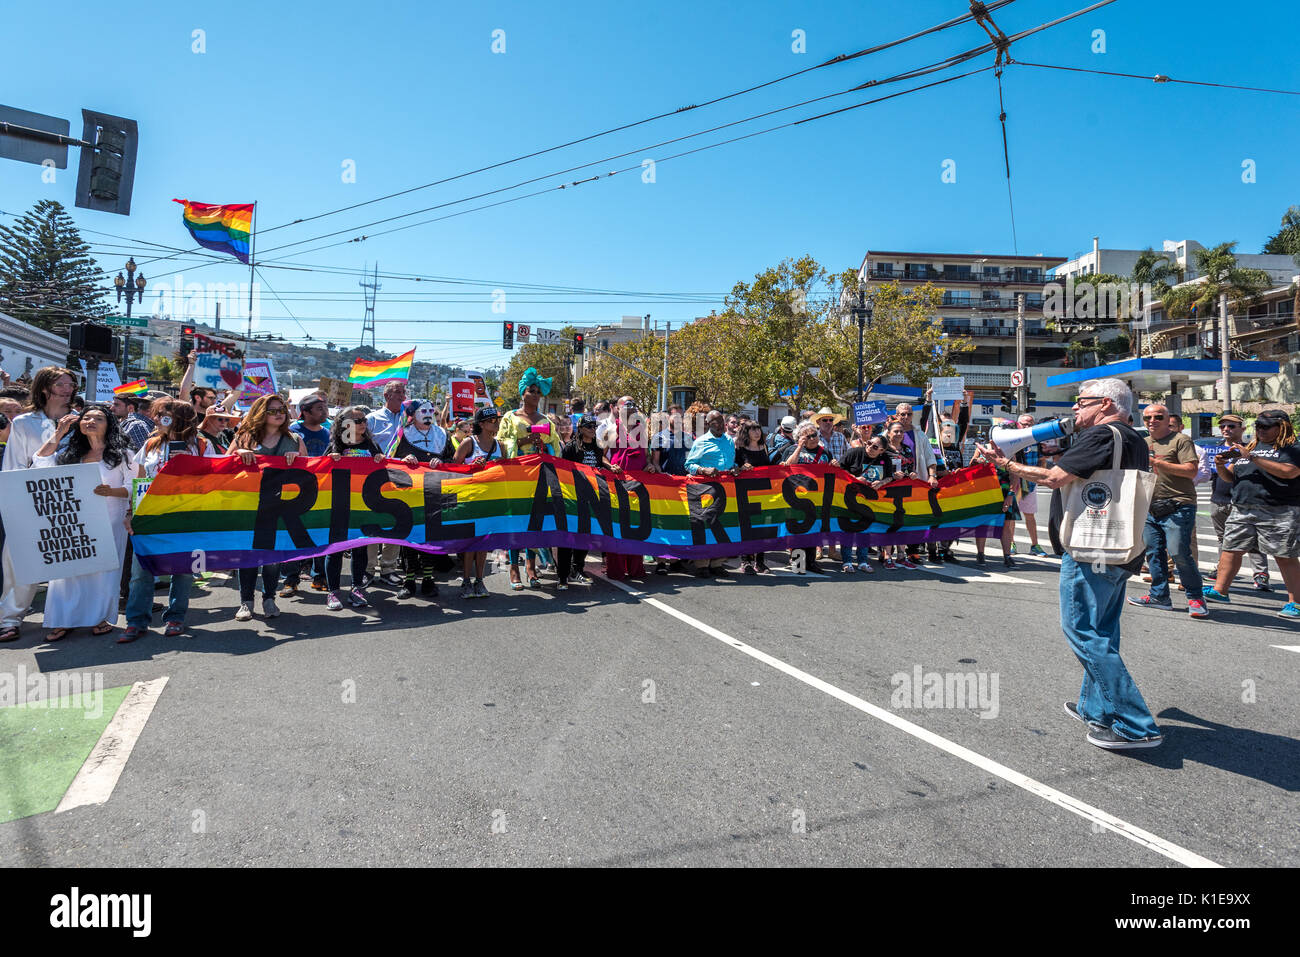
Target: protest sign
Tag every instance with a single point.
(241, 516)
(948, 388)
(869, 413)
(258, 380)
(463, 394)
(106, 380)
(481, 396)
(55, 524)
(216, 363)
(338, 392)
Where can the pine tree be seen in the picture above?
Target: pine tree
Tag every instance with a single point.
(47, 275)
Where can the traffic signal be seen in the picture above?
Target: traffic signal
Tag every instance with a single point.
(507, 335)
(1033, 403)
(187, 340)
(1008, 400)
(577, 343)
(107, 169)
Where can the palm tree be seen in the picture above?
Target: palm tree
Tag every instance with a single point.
(1221, 275)
(1158, 269)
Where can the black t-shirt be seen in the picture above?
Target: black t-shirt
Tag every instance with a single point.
(1253, 486)
(755, 458)
(857, 462)
(1091, 450)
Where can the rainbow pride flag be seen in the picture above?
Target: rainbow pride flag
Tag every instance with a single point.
(223, 228)
(367, 373)
(237, 516)
(138, 387)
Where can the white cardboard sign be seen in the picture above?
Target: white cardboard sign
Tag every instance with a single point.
(55, 524)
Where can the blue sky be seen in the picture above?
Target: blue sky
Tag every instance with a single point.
(412, 92)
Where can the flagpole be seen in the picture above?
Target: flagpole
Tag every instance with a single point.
(252, 266)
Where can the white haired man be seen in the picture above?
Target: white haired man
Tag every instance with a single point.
(1092, 597)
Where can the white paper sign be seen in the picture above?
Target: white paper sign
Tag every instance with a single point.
(948, 388)
(105, 382)
(55, 524)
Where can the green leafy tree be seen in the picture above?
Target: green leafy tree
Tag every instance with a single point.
(47, 275)
(1221, 275)
(606, 379)
(164, 369)
(1286, 241)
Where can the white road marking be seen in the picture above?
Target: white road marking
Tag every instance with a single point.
(1086, 811)
(1295, 648)
(95, 781)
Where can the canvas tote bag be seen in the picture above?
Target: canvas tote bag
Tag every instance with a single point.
(1105, 513)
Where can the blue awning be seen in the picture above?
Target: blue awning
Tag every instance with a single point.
(1159, 375)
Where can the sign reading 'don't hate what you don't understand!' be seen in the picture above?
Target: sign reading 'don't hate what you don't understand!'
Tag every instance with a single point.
(55, 524)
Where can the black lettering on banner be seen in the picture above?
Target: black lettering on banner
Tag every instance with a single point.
(798, 526)
(705, 517)
(639, 531)
(273, 509)
(547, 497)
(936, 509)
(899, 494)
(748, 511)
(435, 502)
(592, 501)
(828, 493)
(340, 504)
(375, 501)
(862, 514)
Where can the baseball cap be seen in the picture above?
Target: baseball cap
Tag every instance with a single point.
(485, 413)
(587, 421)
(1269, 418)
(788, 423)
(309, 401)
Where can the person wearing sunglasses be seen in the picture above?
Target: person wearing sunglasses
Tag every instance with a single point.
(1232, 428)
(481, 447)
(1171, 521)
(871, 463)
(585, 450)
(751, 453)
(264, 431)
(1265, 515)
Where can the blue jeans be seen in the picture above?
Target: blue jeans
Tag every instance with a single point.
(1091, 602)
(1171, 537)
(139, 601)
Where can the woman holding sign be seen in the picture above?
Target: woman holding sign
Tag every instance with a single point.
(265, 431)
(90, 600)
(177, 434)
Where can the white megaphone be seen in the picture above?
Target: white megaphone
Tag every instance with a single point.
(1011, 441)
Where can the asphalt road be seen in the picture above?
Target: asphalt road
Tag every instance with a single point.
(596, 727)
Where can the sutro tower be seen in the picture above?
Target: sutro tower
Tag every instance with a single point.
(371, 288)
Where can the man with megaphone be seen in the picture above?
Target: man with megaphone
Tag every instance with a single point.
(1093, 594)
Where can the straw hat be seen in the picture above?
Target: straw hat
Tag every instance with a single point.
(826, 412)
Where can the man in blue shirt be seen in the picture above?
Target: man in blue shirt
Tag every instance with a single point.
(310, 425)
(713, 452)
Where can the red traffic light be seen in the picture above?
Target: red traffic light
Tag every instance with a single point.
(187, 330)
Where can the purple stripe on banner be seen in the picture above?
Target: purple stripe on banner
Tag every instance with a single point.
(182, 563)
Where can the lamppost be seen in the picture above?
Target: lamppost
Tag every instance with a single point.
(133, 286)
(862, 311)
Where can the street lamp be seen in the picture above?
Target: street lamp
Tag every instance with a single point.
(133, 286)
(862, 312)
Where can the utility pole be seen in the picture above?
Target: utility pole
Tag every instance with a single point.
(1022, 391)
(1225, 353)
(663, 386)
(863, 312)
(218, 315)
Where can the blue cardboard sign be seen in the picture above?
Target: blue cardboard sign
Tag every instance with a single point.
(869, 413)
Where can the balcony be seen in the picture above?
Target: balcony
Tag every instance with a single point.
(960, 301)
(1034, 329)
(929, 274)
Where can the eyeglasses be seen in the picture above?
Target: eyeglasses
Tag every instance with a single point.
(1260, 426)
(1084, 401)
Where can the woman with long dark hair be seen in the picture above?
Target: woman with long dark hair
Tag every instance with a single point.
(751, 453)
(177, 434)
(90, 600)
(481, 446)
(350, 437)
(264, 431)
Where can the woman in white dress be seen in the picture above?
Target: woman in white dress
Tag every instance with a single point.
(91, 600)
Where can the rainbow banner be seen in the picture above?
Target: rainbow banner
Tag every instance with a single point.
(138, 387)
(366, 373)
(223, 228)
(212, 513)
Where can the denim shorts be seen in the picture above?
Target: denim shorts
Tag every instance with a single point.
(1270, 529)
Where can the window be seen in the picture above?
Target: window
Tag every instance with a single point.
(884, 269)
(956, 272)
(992, 272)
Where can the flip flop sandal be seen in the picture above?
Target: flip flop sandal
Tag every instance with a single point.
(102, 630)
(9, 634)
(58, 634)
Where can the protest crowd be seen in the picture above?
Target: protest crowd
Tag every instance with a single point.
(1255, 489)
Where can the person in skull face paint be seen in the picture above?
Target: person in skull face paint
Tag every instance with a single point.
(419, 439)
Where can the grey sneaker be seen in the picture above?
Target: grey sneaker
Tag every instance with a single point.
(480, 590)
(467, 590)
(1108, 739)
(269, 608)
